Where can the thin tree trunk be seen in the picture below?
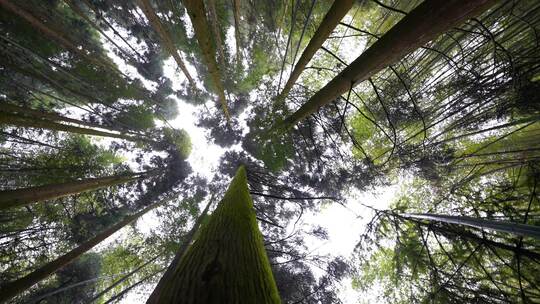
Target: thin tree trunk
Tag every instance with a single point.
(29, 122)
(122, 279)
(217, 33)
(123, 292)
(197, 14)
(501, 226)
(25, 111)
(332, 18)
(227, 262)
(26, 196)
(423, 24)
(238, 38)
(66, 43)
(59, 290)
(181, 251)
(16, 287)
(165, 37)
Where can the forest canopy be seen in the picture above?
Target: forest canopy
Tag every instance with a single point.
(264, 151)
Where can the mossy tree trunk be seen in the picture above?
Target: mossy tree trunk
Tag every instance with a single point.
(26, 196)
(332, 18)
(227, 263)
(18, 286)
(423, 24)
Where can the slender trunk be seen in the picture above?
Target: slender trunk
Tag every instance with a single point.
(227, 262)
(25, 111)
(332, 18)
(62, 289)
(217, 33)
(16, 287)
(123, 292)
(58, 37)
(238, 38)
(165, 37)
(31, 122)
(423, 24)
(197, 14)
(122, 279)
(181, 251)
(26, 196)
(501, 226)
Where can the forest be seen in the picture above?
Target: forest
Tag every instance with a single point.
(267, 151)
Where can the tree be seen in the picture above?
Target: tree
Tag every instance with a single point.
(410, 33)
(21, 197)
(14, 288)
(330, 21)
(227, 254)
(197, 14)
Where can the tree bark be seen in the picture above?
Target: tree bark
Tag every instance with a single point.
(165, 37)
(11, 108)
(16, 287)
(212, 13)
(53, 34)
(197, 14)
(227, 263)
(26, 196)
(332, 18)
(501, 226)
(423, 24)
(16, 119)
(238, 38)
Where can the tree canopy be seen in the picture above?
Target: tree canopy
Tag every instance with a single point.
(189, 151)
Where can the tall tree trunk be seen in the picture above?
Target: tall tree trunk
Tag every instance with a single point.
(227, 263)
(25, 111)
(14, 288)
(123, 278)
(197, 14)
(212, 13)
(501, 226)
(165, 37)
(426, 22)
(58, 37)
(332, 18)
(16, 119)
(26, 196)
(237, 34)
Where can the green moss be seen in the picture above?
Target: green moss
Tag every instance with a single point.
(227, 263)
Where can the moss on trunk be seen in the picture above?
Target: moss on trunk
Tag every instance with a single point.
(227, 263)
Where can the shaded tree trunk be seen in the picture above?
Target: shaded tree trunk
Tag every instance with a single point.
(423, 24)
(238, 38)
(197, 14)
(25, 111)
(53, 34)
(26, 196)
(165, 37)
(16, 119)
(212, 13)
(227, 263)
(501, 226)
(18, 286)
(332, 18)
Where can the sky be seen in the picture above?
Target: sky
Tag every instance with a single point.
(344, 224)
